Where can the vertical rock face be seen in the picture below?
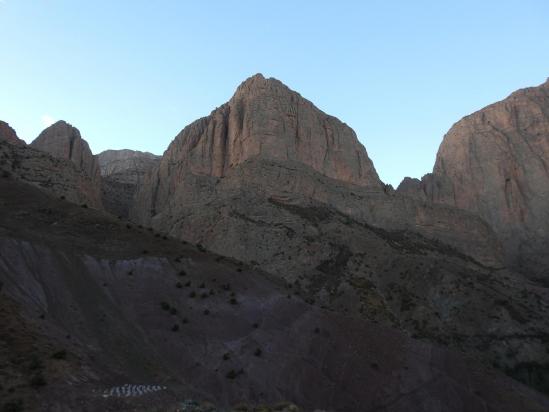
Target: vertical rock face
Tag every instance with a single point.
(268, 142)
(64, 141)
(495, 163)
(7, 134)
(123, 172)
(267, 121)
(126, 166)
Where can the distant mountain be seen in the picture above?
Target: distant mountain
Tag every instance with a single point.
(123, 172)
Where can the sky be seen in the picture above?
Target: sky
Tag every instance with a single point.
(132, 74)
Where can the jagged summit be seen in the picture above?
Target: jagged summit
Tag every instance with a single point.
(265, 119)
(64, 141)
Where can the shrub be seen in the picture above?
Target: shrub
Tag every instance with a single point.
(182, 273)
(258, 352)
(13, 406)
(226, 356)
(165, 306)
(233, 301)
(173, 311)
(206, 312)
(85, 206)
(232, 374)
(192, 294)
(188, 284)
(38, 381)
(35, 364)
(62, 354)
(178, 285)
(175, 328)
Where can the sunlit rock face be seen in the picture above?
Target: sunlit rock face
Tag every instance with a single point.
(64, 141)
(495, 164)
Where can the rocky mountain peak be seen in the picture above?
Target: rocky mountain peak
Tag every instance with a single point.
(267, 120)
(64, 141)
(8, 134)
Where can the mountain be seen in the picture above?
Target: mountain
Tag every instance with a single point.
(57, 176)
(261, 259)
(343, 241)
(7, 134)
(123, 172)
(495, 164)
(64, 141)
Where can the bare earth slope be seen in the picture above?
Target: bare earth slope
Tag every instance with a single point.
(116, 304)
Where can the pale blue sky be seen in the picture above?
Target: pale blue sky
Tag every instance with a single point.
(132, 74)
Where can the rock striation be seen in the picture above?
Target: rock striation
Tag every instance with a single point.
(495, 164)
(126, 166)
(7, 134)
(123, 172)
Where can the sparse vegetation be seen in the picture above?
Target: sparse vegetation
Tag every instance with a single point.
(61, 354)
(13, 406)
(38, 381)
(232, 374)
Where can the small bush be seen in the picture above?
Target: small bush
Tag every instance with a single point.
(232, 374)
(202, 285)
(233, 301)
(184, 321)
(85, 206)
(175, 328)
(182, 273)
(38, 381)
(35, 364)
(226, 356)
(173, 311)
(206, 312)
(165, 306)
(178, 285)
(13, 406)
(192, 294)
(258, 352)
(62, 354)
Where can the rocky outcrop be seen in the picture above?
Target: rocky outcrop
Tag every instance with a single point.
(126, 166)
(63, 141)
(264, 120)
(7, 134)
(59, 177)
(269, 141)
(123, 172)
(495, 164)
